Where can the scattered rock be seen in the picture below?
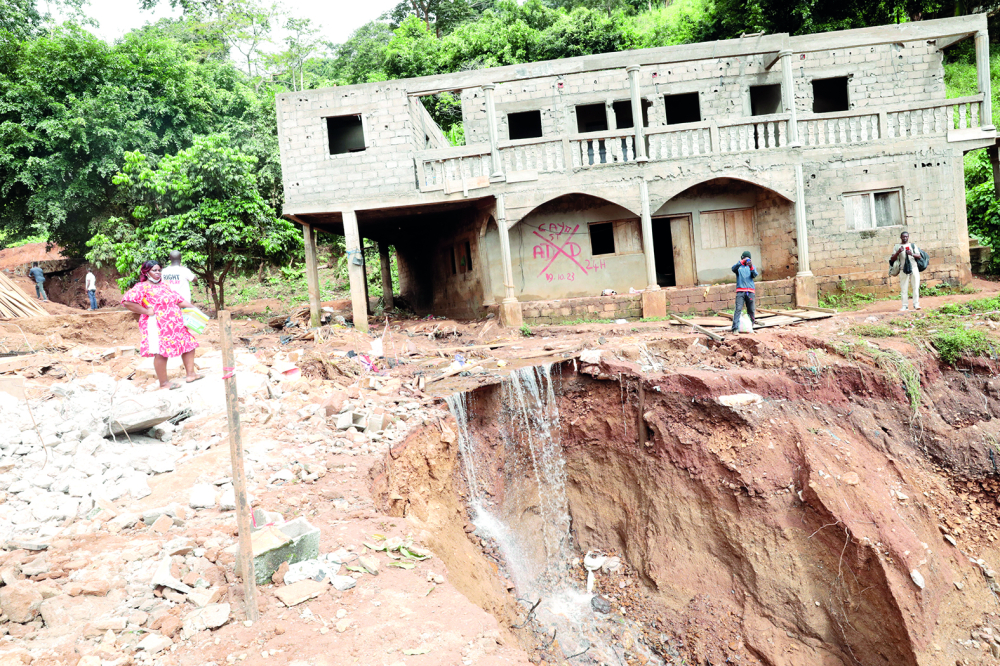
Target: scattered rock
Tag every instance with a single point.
(162, 524)
(154, 643)
(917, 578)
(343, 625)
(343, 583)
(278, 577)
(600, 604)
(209, 617)
(851, 479)
(202, 497)
(369, 563)
(20, 602)
(296, 593)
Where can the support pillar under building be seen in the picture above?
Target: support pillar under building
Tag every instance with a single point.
(805, 281)
(312, 274)
(355, 270)
(383, 254)
(654, 301)
(510, 308)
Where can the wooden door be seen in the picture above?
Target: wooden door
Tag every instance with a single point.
(680, 236)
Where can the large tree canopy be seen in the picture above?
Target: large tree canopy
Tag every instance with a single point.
(204, 202)
(71, 106)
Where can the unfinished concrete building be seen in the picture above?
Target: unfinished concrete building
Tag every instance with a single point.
(648, 171)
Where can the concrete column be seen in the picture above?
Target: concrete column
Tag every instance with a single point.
(647, 237)
(312, 274)
(805, 282)
(364, 281)
(491, 121)
(654, 300)
(640, 137)
(355, 271)
(510, 308)
(983, 73)
(788, 96)
(383, 253)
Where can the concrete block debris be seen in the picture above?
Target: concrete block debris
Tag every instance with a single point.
(291, 542)
(296, 593)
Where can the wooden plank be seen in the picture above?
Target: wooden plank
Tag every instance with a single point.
(944, 42)
(238, 472)
(817, 309)
(702, 321)
(628, 237)
(14, 363)
(312, 274)
(730, 217)
(700, 329)
(745, 233)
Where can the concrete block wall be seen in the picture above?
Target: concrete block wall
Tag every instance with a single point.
(775, 293)
(775, 220)
(887, 74)
(715, 298)
(313, 178)
(931, 206)
(622, 306)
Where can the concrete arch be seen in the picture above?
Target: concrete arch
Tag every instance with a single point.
(661, 191)
(625, 195)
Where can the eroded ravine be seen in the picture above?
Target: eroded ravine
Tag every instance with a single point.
(794, 531)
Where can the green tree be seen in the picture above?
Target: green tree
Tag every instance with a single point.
(362, 58)
(71, 106)
(204, 202)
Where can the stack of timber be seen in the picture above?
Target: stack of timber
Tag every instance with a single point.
(15, 303)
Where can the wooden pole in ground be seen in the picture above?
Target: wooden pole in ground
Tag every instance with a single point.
(383, 253)
(245, 561)
(312, 275)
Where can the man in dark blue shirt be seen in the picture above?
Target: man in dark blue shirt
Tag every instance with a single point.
(745, 273)
(39, 277)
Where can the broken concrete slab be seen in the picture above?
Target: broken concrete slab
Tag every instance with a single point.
(295, 541)
(154, 643)
(202, 496)
(142, 411)
(163, 578)
(209, 617)
(296, 593)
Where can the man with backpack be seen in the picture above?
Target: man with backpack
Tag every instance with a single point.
(913, 261)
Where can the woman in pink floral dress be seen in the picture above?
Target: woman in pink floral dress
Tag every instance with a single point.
(164, 334)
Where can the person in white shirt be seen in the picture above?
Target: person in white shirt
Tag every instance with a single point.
(909, 274)
(177, 277)
(91, 286)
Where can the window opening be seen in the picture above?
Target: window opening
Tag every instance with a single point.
(682, 108)
(454, 268)
(765, 100)
(830, 95)
(623, 113)
(467, 259)
(346, 133)
(871, 210)
(524, 125)
(602, 238)
(591, 118)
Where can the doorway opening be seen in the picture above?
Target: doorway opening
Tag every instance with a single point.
(663, 250)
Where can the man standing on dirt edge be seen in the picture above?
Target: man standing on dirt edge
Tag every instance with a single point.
(177, 277)
(909, 272)
(90, 282)
(39, 276)
(745, 273)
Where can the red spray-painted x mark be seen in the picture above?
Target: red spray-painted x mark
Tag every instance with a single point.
(561, 250)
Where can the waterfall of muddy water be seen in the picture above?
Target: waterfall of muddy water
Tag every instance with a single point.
(531, 525)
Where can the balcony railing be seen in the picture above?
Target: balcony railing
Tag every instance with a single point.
(468, 167)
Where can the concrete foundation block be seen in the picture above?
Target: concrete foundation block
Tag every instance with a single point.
(352, 420)
(295, 541)
(805, 291)
(510, 315)
(654, 304)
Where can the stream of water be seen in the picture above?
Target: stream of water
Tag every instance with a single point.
(531, 525)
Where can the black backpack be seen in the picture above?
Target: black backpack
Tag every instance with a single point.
(922, 261)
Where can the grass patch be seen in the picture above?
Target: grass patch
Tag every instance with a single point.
(846, 298)
(898, 367)
(946, 289)
(955, 344)
(872, 330)
(525, 331)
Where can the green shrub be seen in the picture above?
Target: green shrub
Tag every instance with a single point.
(957, 343)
